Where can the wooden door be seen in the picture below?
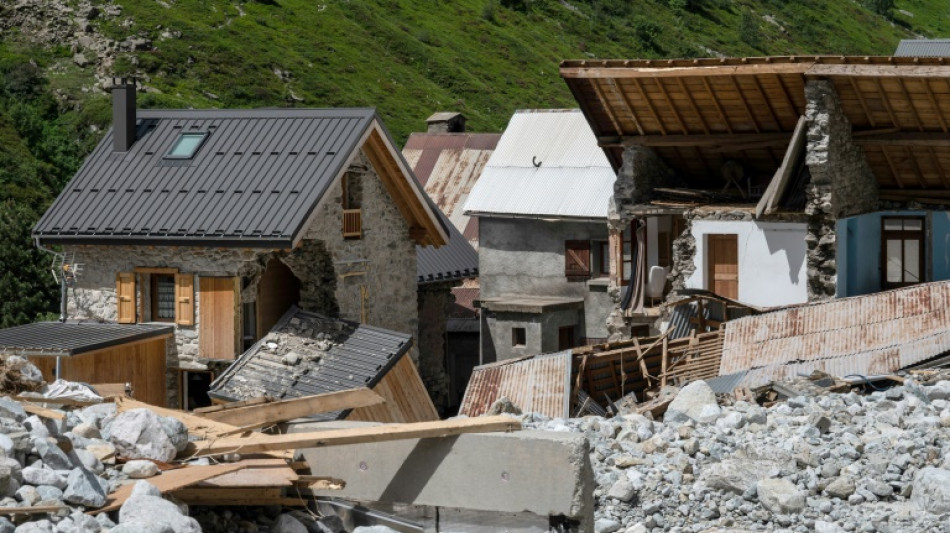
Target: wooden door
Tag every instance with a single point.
(217, 317)
(722, 262)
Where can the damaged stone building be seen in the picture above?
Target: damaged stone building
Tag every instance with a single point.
(218, 221)
(771, 181)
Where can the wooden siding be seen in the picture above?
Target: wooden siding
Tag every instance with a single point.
(140, 363)
(406, 397)
(218, 327)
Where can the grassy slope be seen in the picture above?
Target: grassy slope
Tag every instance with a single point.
(412, 57)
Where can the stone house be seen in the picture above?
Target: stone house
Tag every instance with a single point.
(541, 203)
(786, 180)
(218, 221)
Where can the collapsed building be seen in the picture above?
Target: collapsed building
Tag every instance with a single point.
(772, 181)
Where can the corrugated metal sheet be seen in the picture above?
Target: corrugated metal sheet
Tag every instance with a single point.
(253, 182)
(448, 165)
(359, 357)
(70, 338)
(869, 335)
(538, 384)
(923, 48)
(547, 163)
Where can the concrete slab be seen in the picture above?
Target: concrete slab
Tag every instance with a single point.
(545, 473)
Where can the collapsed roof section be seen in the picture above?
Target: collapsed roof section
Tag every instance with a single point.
(306, 353)
(700, 114)
(246, 178)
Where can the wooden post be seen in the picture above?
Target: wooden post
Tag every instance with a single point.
(663, 361)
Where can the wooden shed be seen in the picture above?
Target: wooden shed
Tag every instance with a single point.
(95, 353)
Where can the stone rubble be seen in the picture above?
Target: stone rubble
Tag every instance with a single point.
(828, 462)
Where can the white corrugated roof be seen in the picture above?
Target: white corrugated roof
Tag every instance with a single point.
(574, 178)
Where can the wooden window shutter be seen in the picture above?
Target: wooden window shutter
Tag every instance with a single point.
(185, 299)
(125, 297)
(577, 259)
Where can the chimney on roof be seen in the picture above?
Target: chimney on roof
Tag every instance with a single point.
(123, 113)
(446, 122)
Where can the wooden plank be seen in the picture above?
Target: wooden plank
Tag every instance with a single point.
(406, 397)
(265, 443)
(56, 401)
(687, 72)
(232, 405)
(879, 71)
(240, 496)
(712, 140)
(109, 390)
(36, 509)
(908, 138)
(172, 480)
(43, 412)
(253, 416)
(783, 176)
(274, 476)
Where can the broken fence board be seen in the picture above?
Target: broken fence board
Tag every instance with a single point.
(419, 430)
(254, 416)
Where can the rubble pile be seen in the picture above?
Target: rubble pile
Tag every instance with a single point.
(830, 462)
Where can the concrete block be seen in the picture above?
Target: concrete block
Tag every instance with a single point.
(544, 473)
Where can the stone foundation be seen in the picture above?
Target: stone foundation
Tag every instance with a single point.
(842, 184)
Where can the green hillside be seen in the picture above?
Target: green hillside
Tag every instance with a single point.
(408, 58)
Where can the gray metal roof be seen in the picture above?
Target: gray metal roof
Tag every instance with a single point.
(923, 48)
(547, 163)
(356, 355)
(453, 261)
(70, 338)
(253, 183)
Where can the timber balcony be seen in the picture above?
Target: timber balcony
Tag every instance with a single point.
(352, 224)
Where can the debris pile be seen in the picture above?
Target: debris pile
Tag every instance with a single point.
(828, 462)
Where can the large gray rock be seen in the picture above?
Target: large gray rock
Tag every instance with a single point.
(737, 475)
(39, 526)
(622, 490)
(139, 434)
(145, 506)
(139, 469)
(286, 523)
(84, 488)
(143, 527)
(8, 484)
(176, 431)
(932, 490)
(12, 409)
(52, 455)
(841, 487)
(780, 496)
(43, 476)
(695, 401)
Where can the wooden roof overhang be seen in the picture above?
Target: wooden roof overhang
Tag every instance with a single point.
(699, 113)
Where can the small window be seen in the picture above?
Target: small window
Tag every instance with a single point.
(519, 337)
(163, 298)
(187, 145)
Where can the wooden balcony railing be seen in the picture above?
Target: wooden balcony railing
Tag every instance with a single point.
(352, 224)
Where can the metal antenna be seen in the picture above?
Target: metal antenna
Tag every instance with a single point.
(65, 271)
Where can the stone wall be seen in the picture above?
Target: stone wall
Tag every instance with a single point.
(841, 184)
(373, 277)
(435, 303)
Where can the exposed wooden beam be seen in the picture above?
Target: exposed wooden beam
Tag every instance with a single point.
(686, 72)
(626, 103)
(745, 104)
(692, 104)
(886, 103)
(656, 116)
(910, 138)
(768, 103)
(255, 416)
(698, 140)
(722, 112)
(669, 103)
(910, 102)
(788, 96)
(933, 103)
(606, 105)
(879, 71)
(940, 170)
(910, 193)
(913, 160)
(862, 101)
(890, 164)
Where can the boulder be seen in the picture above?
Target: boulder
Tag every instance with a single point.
(139, 469)
(841, 487)
(140, 434)
(780, 496)
(932, 490)
(52, 455)
(622, 490)
(43, 476)
(286, 523)
(39, 526)
(84, 488)
(696, 402)
(737, 475)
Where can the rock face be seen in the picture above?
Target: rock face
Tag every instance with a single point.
(139, 434)
(696, 402)
(932, 490)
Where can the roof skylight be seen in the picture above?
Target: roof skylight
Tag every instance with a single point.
(187, 145)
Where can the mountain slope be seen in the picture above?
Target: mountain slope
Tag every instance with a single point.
(408, 58)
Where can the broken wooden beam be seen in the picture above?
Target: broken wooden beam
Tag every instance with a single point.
(232, 405)
(43, 412)
(293, 441)
(263, 414)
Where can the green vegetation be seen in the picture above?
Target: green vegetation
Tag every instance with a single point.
(407, 58)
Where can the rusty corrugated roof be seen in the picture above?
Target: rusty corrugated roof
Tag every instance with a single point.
(868, 335)
(538, 384)
(448, 165)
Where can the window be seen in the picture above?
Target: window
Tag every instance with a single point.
(187, 145)
(352, 201)
(519, 337)
(163, 297)
(565, 337)
(193, 392)
(902, 251)
(601, 258)
(577, 260)
(628, 253)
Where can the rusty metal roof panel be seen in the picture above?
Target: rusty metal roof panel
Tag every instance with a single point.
(868, 335)
(538, 384)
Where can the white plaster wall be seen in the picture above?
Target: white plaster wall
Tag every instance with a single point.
(772, 268)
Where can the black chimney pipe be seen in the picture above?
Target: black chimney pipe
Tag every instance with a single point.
(123, 113)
